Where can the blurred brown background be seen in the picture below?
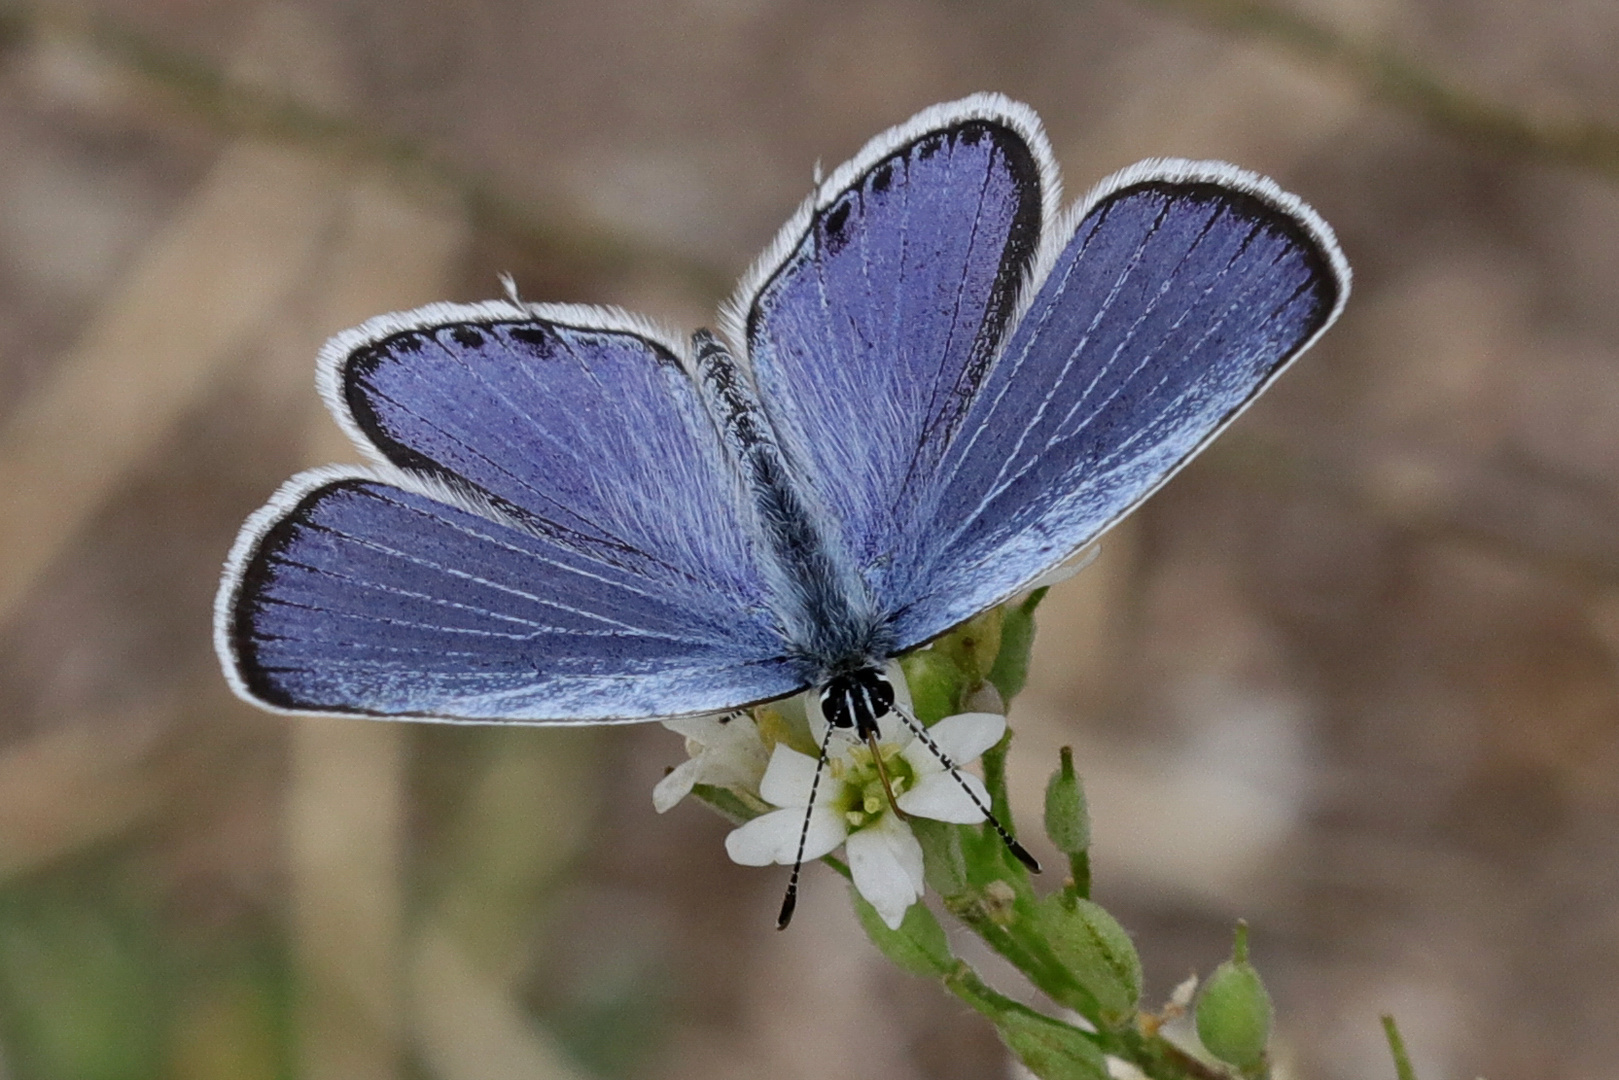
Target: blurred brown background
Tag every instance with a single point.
(1352, 676)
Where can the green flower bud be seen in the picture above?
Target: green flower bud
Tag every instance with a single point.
(944, 865)
(1094, 948)
(1234, 1010)
(1011, 668)
(973, 646)
(1068, 819)
(936, 684)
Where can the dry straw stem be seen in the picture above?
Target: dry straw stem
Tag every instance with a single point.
(290, 119)
(242, 110)
(195, 299)
(1404, 82)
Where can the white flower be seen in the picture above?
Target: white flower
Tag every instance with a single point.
(726, 751)
(852, 809)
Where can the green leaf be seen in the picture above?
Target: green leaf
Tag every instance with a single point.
(1095, 950)
(1011, 668)
(1051, 1049)
(727, 803)
(944, 865)
(919, 945)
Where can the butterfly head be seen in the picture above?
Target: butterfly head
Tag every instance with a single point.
(856, 700)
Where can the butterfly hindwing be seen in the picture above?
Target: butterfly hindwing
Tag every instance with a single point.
(1181, 291)
(360, 596)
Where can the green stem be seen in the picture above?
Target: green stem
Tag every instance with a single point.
(1156, 1056)
(1402, 1060)
(1079, 869)
(1029, 955)
(966, 984)
(994, 761)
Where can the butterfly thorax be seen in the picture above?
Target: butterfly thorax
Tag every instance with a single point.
(827, 617)
(857, 699)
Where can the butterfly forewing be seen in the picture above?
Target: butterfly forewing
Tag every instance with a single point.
(1181, 294)
(871, 329)
(575, 420)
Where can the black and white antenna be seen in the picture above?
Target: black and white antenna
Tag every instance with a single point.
(790, 901)
(855, 702)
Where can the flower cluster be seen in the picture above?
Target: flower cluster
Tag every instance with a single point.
(756, 760)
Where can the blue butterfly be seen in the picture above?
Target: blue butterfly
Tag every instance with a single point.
(934, 388)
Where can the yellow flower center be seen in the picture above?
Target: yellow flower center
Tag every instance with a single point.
(862, 799)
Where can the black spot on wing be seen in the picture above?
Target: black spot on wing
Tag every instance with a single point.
(536, 336)
(834, 224)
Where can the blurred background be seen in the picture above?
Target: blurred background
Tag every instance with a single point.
(1353, 676)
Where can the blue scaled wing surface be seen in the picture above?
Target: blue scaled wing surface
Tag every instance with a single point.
(1162, 306)
(872, 320)
(553, 533)
(973, 386)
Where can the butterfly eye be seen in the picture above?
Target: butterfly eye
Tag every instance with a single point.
(880, 693)
(836, 705)
(857, 700)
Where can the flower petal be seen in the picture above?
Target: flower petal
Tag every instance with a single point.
(894, 730)
(705, 728)
(886, 863)
(1064, 571)
(677, 785)
(939, 796)
(962, 738)
(810, 701)
(773, 837)
(738, 762)
(788, 778)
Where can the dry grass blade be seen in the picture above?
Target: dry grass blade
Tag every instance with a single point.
(1398, 79)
